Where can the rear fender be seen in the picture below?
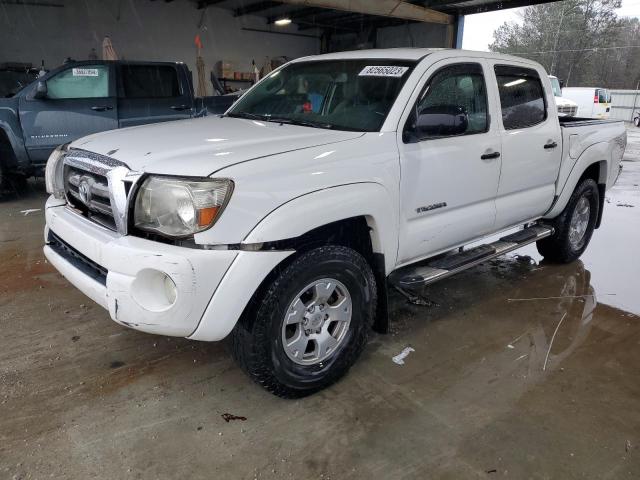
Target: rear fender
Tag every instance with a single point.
(599, 154)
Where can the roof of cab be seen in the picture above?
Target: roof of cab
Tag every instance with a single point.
(414, 54)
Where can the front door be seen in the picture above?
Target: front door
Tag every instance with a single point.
(450, 161)
(80, 100)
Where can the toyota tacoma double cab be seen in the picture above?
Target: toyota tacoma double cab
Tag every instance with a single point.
(282, 223)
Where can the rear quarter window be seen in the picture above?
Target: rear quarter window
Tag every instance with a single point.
(149, 81)
(522, 99)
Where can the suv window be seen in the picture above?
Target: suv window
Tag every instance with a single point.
(87, 81)
(454, 102)
(149, 81)
(521, 97)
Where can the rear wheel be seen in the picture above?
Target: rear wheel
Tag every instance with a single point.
(310, 324)
(636, 121)
(574, 226)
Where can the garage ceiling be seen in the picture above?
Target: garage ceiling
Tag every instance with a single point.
(354, 14)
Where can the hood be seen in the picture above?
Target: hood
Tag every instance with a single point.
(202, 146)
(565, 102)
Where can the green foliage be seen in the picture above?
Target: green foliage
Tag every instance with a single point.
(582, 42)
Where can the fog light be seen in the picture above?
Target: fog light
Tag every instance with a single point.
(170, 290)
(154, 290)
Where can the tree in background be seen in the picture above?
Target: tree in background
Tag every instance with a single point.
(582, 42)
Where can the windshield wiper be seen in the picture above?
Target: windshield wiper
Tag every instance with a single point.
(303, 123)
(250, 116)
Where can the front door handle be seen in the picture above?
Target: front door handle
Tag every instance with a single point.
(550, 145)
(101, 108)
(489, 156)
(180, 107)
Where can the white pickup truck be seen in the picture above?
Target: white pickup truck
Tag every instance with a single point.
(282, 222)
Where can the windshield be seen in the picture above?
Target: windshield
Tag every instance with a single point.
(339, 94)
(555, 84)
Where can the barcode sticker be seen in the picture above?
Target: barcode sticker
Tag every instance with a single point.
(383, 71)
(85, 72)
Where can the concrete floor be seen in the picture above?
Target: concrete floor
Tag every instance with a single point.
(489, 392)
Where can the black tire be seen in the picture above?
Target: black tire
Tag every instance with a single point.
(558, 248)
(256, 341)
(11, 183)
(4, 179)
(636, 121)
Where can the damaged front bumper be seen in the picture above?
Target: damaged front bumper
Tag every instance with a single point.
(154, 287)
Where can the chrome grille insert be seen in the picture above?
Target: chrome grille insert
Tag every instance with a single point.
(98, 188)
(568, 110)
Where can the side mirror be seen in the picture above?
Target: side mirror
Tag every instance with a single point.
(442, 121)
(41, 89)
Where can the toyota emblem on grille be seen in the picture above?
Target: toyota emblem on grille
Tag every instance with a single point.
(84, 190)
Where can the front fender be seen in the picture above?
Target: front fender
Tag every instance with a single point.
(11, 129)
(319, 208)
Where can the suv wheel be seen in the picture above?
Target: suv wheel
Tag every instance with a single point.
(574, 226)
(310, 323)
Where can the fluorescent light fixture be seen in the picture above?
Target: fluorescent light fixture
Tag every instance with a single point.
(282, 22)
(515, 82)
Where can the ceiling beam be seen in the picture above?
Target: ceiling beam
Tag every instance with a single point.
(254, 8)
(383, 8)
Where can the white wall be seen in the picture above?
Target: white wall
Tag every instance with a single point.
(140, 30)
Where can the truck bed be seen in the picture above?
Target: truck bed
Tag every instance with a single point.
(583, 122)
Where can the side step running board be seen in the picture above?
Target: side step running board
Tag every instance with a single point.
(419, 275)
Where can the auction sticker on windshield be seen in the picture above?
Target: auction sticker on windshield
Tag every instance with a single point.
(85, 72)
(382, 71)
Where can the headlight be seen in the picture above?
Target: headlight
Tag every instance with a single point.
(53, 172)
(178, 207)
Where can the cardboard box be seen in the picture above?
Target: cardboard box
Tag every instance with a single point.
(224, 69)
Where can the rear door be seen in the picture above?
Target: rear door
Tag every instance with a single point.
(149, 93)
(602, 103)
(531, 144)
(449, 173)
(80, 100)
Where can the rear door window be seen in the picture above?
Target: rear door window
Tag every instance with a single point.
(87, 81)
(521, 97)
(149, 81)
(604, 96)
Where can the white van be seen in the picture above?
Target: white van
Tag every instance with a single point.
(566, 107)
(592, 102)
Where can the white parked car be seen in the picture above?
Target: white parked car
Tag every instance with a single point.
(592, 102)
(566, 107)
(282, 222)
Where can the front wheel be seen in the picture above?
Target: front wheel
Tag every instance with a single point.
(636, 121)
(574, 226)
(310, 324)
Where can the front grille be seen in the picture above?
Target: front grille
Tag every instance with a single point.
(568, 110)
(77, 259)
(88, 193)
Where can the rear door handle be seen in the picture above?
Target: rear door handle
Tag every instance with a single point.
(489, 156)
(550, 145)
(180, 107)
(101, 108)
